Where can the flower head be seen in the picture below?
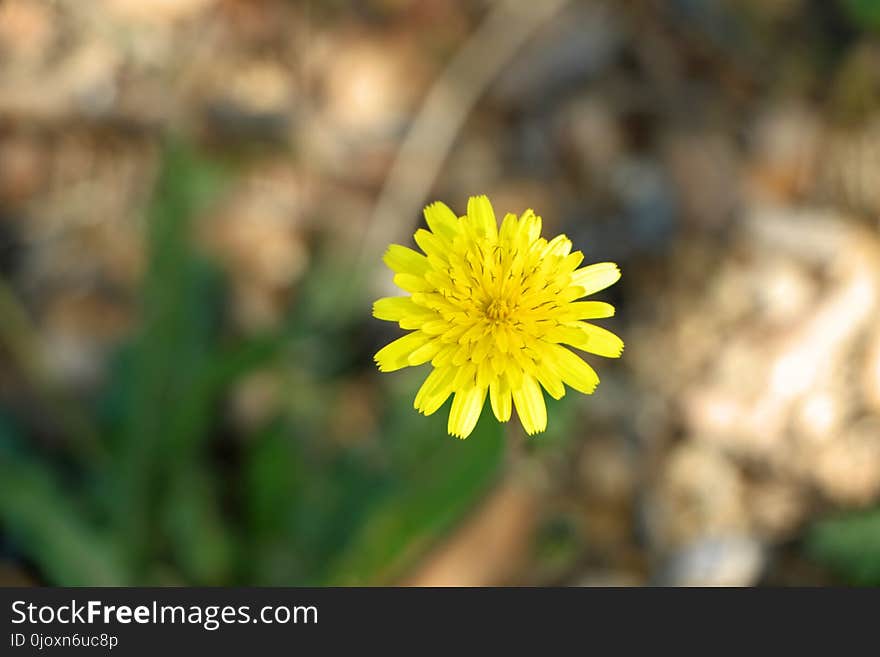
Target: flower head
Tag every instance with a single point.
(491, 308)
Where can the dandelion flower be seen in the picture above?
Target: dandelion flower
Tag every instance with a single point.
(494, 311)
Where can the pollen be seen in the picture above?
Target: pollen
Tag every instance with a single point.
(499, 311)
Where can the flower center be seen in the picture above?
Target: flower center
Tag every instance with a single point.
(499, 310)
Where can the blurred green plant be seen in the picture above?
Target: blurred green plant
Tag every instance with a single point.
(173, 495)
(864, 13)
(849, 544)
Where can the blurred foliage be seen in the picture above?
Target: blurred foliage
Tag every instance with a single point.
(850, 545)
(864, 13)
(172, 498)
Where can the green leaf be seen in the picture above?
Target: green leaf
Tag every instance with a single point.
(164, 416)
(44, 520)
(864, 13)
(437, 480)
(849, 544)
(203, 547)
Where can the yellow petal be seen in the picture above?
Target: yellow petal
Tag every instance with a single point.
(571, 262)
(444, 356)
(530, 225)
(485, 375)
(395, 355)
(403, 260)
(569, 294)
(602, 341)
(594, 278)
(466, 376)
(482, 217)
(441, 220)
(454, 333)
(599, 341)
(418, 320)
(393, 309)
(501, 339)
(466, 408)
(402, 310)
(424, 353)
(508, 228)
(572, 369)
(461, 355)
(514, 373)
(558, 246)
(439, 279)
(412, 283)
(523, 360)
(530, 406)
(550, 379)
(435, 327)
(431, 245)
(587, 337)
(586, 310)
(435, 390)
(499, 397)
(473, 334)
(482, 348)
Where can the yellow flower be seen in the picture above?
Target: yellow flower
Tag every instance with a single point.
(490, 308)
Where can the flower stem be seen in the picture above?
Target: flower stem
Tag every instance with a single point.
(515, 454)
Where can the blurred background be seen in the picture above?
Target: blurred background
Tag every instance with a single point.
(194, 199)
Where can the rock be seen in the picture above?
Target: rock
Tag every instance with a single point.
(157, 11)
(704, 170)
(250, 99)
(28, 29)
(590, 133)
(700, 493)
(22, 168)
(847, 467)
(778, 506)
(786, 142)
(718, 561)
(258, 236)
(363, 94)
(871, 376)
